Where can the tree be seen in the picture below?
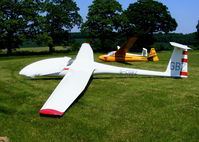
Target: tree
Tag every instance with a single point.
(103, 20)
(59, 17)
(197, 27)
(148, 16)
(17, 18)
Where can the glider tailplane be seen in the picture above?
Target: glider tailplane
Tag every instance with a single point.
(178, 64)
(153, 55)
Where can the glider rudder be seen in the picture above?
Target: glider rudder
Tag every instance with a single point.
(153, 55)
(178, 64)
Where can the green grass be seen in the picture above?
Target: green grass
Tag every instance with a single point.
(35, 50)
(114, 108)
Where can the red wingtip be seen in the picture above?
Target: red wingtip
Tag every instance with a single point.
(51, 112)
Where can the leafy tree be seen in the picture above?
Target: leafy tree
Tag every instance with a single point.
(60, 16)
(148, 16)
(103, 20)
(16, 22)
(187, 39)
(198, 29)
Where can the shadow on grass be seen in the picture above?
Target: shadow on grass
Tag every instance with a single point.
(50, 116)
(126, 63)
(46, 78)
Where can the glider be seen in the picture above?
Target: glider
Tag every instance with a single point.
(77, 72)
(121, 54)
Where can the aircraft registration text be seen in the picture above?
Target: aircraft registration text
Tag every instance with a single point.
(128, 72)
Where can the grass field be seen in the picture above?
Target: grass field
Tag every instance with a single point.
(114, 108)
(35, 50)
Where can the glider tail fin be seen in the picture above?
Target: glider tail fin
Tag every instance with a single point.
(153, 55)
(178, 64)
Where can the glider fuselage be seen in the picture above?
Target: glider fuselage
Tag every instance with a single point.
(126, 58)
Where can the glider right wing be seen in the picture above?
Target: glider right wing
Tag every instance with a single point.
(72, 85)
(126, 46)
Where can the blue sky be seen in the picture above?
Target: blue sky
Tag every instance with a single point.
(185, 12)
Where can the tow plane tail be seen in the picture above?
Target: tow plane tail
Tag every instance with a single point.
(153, 55)
(178, 64)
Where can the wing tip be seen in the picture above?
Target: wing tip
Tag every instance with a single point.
(50, 112)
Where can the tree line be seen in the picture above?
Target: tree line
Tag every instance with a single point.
(49, 22)
(46, 22)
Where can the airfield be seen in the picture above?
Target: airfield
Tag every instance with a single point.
(114, 108)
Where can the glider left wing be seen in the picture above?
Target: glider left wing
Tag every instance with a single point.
(72, 85)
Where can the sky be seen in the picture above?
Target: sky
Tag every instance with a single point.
(185, 12)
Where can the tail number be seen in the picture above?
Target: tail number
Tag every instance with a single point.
(176, 66)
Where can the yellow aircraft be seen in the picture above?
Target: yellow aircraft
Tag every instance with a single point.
(121, 54)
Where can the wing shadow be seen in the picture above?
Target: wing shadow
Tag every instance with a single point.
(47, 78)
(126, 63)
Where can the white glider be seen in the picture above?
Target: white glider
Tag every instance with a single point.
(78, 72)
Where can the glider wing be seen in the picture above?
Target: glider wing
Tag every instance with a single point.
(45, 67)
(72, 85)
(126, 46)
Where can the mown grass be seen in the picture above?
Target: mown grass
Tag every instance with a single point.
(114, 108)
(35, 50)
